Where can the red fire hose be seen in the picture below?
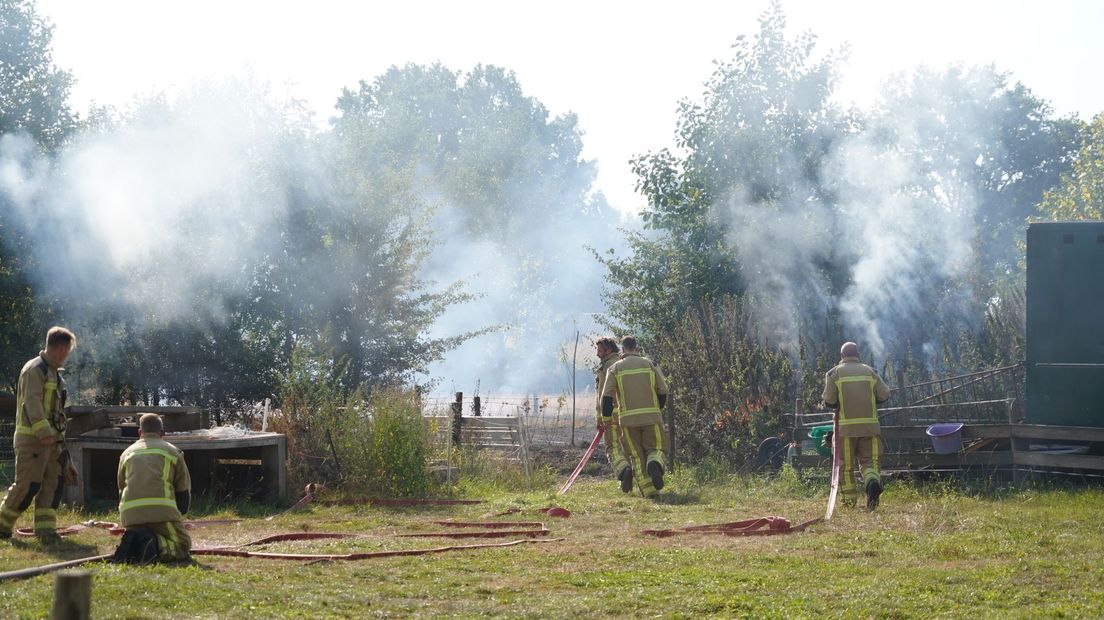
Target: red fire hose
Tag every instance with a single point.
(836, 466)
(586, 458)
(763, 526)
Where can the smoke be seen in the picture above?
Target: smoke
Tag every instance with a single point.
(889, 246)
(538, 284)
(159, 218)
(153, 216)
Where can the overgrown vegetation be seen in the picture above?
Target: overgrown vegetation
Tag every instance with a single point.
(363, 442)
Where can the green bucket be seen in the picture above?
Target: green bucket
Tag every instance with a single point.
(817, 434)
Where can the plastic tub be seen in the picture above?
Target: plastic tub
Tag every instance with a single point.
(817, 434)
(946, 438)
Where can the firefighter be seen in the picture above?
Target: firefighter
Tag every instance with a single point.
(154, 492)
(606, 349)
(640, 391)
(39, 433)
(854, 390)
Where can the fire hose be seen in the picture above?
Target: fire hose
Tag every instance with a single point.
(836, 466)
(763, 526)
(495, 529)
(586, 458)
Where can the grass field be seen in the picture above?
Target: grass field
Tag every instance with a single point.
(929, 551)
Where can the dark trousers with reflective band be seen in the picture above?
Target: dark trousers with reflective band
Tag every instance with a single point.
(644, 444)
(863, 453)
(173, 540)
(38, 480)
(615, 449)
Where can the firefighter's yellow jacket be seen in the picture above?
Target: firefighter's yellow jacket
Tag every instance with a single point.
(151, 472)
(38, 413)
(856, 389)
(635, 383)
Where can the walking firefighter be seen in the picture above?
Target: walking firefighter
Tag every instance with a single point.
(606, 348)
(640, 391)
(854, 390)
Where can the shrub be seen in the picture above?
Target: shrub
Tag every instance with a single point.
(367, 442)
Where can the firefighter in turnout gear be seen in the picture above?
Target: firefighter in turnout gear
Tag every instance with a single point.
(39, 433)
(854, 390)
(640, 391)
(155, 490)
(606, 348)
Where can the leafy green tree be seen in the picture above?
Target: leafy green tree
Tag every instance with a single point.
(33, 102)
(755, 147)
(1080, 194)
(33, 92)
(509, 192)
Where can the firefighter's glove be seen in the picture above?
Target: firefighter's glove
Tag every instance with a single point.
(607, 408)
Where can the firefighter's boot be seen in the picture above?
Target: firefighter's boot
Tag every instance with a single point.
(873, 492)
(655, 470)
(626, 478)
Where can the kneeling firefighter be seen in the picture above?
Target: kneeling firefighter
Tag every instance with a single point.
(155, 491)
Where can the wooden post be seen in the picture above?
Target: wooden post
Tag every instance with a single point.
(670, 415)
(72, 595)
(902, 398)
(477, 406)
(457, 416)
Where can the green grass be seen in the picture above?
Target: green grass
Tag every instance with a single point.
(929, 551)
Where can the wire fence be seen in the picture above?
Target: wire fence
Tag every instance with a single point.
(549, 420)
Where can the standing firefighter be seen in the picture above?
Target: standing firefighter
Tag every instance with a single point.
(854, 390)
(615, 449)
(155, 490)
(638, 385)
(39, 432)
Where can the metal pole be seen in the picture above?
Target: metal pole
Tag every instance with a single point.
(574, 356)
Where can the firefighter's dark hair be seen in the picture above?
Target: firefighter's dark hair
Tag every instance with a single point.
(628, 342)
(609, 343)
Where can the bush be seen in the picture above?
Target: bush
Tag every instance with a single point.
(368, 442)
(729, 390)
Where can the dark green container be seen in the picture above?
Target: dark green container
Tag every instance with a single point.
(1065, 323)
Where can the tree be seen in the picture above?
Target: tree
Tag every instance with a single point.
(512, 202)
(755, 150)
(33, 92)
(1080, 194)
(33, 103)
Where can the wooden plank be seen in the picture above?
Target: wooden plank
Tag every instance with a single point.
(129, 410)
(1066, 461)
(1060, 433)
(969, 431)
(920, 460)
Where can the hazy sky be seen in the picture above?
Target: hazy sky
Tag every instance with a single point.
(621, 66)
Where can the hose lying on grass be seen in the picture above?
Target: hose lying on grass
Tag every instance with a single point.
(490, 529)
(763, 526)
